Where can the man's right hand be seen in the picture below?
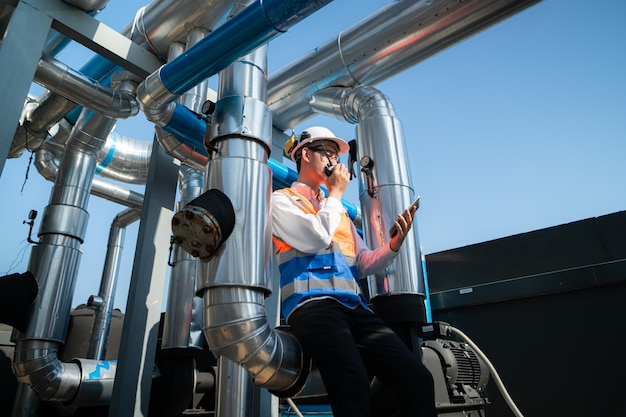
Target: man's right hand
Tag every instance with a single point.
(338, 181)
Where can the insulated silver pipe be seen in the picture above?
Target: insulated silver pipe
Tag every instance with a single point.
(163, 22)
(79, 89)
(182, 327)
(54, 263)
(235, 281)
(155, 26)
(194, 98)
(380, 46)
(38, 118)
(386, 187)
(124, 159)
(106, 294)
(116, 193)
(127, 165)
(45, 162)
(173, 146)
(186, 154)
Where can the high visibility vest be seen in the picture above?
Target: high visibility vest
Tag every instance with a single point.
(331, 272)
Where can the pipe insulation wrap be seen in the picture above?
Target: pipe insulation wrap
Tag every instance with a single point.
(236, 326)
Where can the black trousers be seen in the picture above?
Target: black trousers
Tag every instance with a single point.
(349, 346)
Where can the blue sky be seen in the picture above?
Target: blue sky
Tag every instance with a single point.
(518, 128)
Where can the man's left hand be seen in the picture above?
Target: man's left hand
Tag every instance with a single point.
(403, 225)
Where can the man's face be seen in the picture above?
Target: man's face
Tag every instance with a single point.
(326, 152)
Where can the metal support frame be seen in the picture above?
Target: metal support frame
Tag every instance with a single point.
(131, 392)
(98, 37)
(21, 47)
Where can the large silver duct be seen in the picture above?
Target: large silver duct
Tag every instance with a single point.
(386, 186)
(380, 46)
(235, 281)
(54, 262)
(124, 159)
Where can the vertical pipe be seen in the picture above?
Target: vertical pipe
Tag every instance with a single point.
(235, 281)
(234, 391)
(106, 295)
(54, 262)
(386, 190)
(241, 159)
(182, 326)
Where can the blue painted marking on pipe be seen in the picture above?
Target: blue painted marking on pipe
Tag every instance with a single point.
(190, 129)
(429, 313)
(109, 156)
(96, 373)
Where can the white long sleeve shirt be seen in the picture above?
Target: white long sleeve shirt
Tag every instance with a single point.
(310, 233)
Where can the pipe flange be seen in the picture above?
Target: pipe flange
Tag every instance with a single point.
(204, 224)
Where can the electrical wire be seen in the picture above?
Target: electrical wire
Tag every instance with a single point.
(17, 260)
(492, 370)
(293, 406)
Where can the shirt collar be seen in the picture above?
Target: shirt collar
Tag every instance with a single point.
(308, 192)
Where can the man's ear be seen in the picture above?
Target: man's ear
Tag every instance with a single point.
(305, 156)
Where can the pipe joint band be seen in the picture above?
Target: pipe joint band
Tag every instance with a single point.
(65, 220)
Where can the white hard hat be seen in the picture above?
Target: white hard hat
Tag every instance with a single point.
(310, 135)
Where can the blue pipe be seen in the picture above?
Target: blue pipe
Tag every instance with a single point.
(254, 26)
(190, 130)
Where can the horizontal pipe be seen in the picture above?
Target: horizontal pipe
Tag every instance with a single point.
(78, 88)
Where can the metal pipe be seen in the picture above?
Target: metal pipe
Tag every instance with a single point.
(378, 47)
(182, 326)
(124, 159)
(163, 22)
(390, 190)
(78, 88)
(236, 324)
(88, 5)
(106, 294)
(155, 26)
(120, 158)
(54, 263)
(45, 162)
(195, 157)
(38, 119)
(254, 26)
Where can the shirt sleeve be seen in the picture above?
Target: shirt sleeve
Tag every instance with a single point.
(371, 261)
(308, 233)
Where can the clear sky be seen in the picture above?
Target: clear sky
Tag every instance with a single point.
(518, 128)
